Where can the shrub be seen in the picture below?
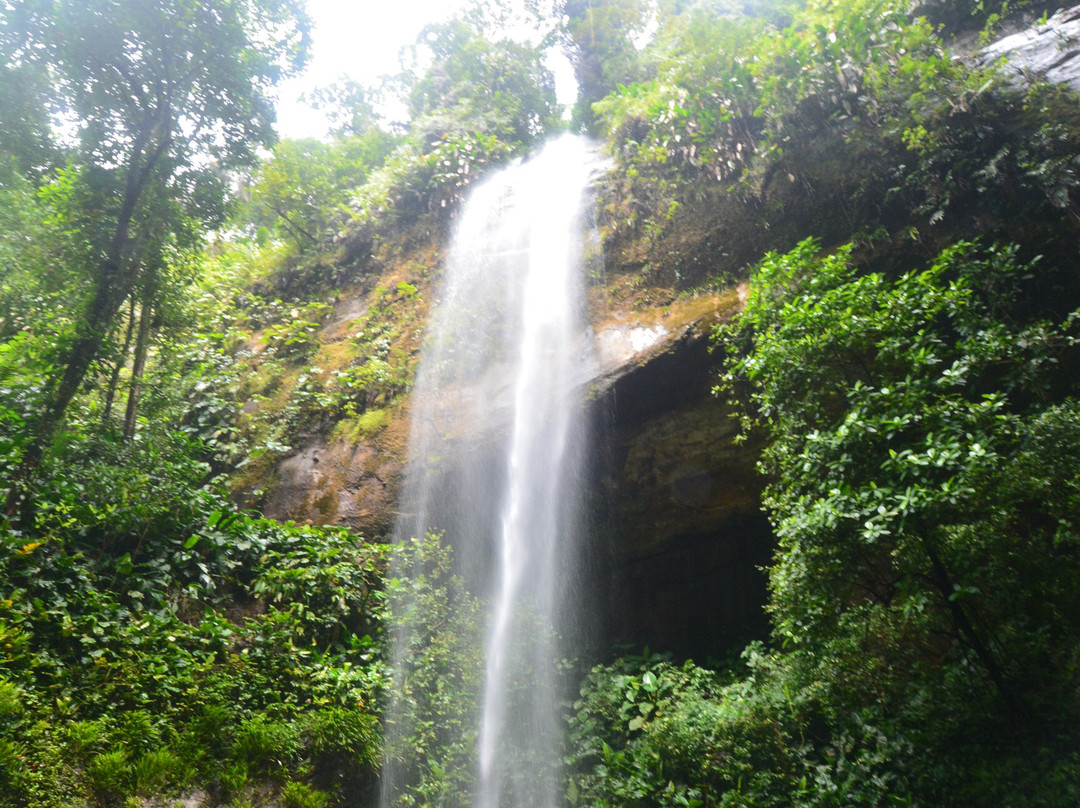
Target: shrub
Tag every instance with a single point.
(266, 746)
(338, 736)
(299, 795)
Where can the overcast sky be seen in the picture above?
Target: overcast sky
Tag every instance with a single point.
(360, 39)
(355, 38)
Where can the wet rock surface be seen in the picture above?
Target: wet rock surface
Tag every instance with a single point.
(1050, 50)
(337, 484)
(677, 537)
(677, 507)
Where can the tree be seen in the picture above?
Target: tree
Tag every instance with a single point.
(480, 87)
(25, 133)
(165, 95)
(599, 35)
(305, 186)
(37, 245)
(348, 106)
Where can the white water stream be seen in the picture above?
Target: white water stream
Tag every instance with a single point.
(497, 452)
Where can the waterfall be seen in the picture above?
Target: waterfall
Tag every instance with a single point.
(497, 450)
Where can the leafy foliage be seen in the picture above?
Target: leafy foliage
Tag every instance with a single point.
(924, 432)
(436, 680)
(914, 575)
(600, 41)
(643, 731)
(480, 87)
(163, 97)
(146, 683)
(775, 122)
(475, 100)
(931, 386)
(416, 182)
(302, 191)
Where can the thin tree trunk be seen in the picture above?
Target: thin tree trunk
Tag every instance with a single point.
(84, 350)
(114, 379)
(944, 583)
(137, 368)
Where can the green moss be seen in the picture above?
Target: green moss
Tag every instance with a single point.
(327, 505)
(352, 430)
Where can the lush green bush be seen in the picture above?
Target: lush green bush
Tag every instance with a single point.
(301, 192)
(124, 675)
(478, 84)
(643, 732)
(420, 180)
(892, 406)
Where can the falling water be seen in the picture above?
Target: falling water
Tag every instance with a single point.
(497, 448)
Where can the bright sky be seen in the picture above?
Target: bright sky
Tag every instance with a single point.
(361, 39)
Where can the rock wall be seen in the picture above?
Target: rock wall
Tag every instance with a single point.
(676, 513)
(1050, 50)
(676, 539)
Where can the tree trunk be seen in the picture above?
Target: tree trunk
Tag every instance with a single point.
(966, 630)
(137, 368)
(114, 379)
(82, 353)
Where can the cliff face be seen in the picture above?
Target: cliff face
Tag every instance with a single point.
(677, 504)
(1049, 50)
(676, 538)
(339, 482)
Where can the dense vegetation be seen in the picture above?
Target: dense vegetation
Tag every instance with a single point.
(159, 349)
(923, 483)
(917, 392)
(908, 348)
